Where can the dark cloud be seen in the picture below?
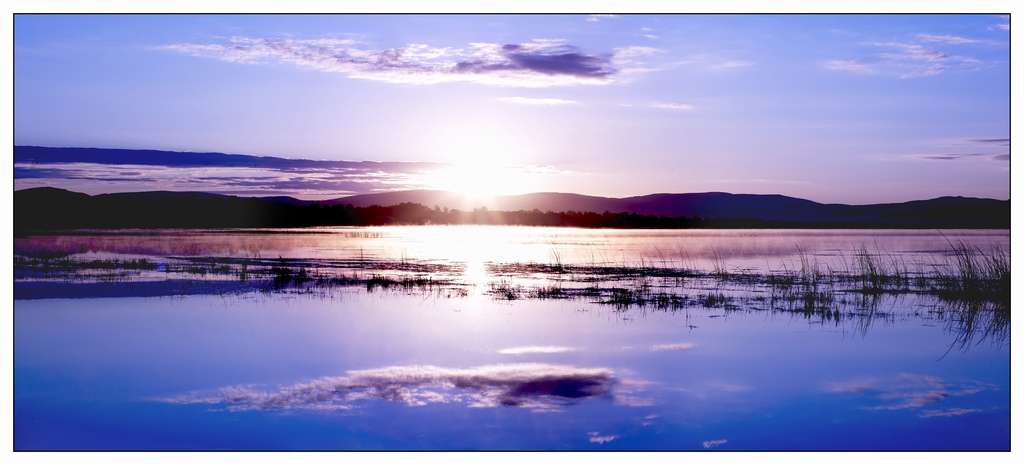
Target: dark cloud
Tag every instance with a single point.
(530, 385)
(259, 185)
(1003, 157)
(224, 173)
(998, 142)
(540, 63)
(552, 61)
(77, 174)
(959, 156)
(49, 155)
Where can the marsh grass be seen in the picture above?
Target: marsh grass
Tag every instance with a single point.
(974, 285)
(505, 290)
(973, 276)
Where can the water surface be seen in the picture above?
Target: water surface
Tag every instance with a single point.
(425, 368)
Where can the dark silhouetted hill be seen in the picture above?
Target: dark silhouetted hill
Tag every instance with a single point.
(57, 209)
(969, 212)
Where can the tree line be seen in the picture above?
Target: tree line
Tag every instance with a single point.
(79, 211)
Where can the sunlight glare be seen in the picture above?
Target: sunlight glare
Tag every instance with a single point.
(480, 169)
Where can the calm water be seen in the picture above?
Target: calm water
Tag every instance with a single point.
(345, 368)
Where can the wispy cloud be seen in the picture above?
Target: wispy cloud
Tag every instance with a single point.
(995, 142)
(849, 65)
(946, 39)
(990, 149)
(714, 443)
(910, 391)
(732, 64)
(97, 171)
(536, 350)
(115, 170)
(631, 60)
(595, 18)
(962, 156)
(908, 60)
(529, 385)
(595, 437)
(729, 387)
(537, 101)
(952, 412)
(850, 386)
(678, 346)
(540, 63)
(672, 106)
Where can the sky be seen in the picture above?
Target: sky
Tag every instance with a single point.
(853, 109)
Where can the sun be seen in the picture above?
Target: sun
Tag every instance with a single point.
(479, 169)
(474, 180)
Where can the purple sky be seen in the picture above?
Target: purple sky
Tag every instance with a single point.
(842, 108)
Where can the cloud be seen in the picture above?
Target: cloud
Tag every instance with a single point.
(529, 385)
(98, 171)
(849, 65)
(908, 60)
(650, 36)
(540, 63)
(962, 156)
(997, 142)
(929, 71)
(946, 39)
(910, 391)
(601, 439)
(117, 170)
(729, 387)
(1004, 27)
(672, 106)
(947, 413)
(715, 443)
(537, 101)
(679, 346)
(913, 52)
(854, 386)
(732, 64)
(536, 350)
(595, 18)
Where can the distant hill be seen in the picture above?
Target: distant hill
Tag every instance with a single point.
(961, 210)
(49, 208)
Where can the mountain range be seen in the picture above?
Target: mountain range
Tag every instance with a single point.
(705, 205)
(57, 208)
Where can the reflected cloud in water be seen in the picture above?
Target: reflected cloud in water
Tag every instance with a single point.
(715, 443)
(536, 350)
(952, 412)
(529, 385)
(911, 391)
(680, 346)
(597, 439)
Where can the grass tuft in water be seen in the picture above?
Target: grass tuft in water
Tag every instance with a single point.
(973, 276)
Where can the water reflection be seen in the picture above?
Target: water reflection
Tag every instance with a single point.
(686, 357)
(529, 385)
(912, 391)
(732, 250)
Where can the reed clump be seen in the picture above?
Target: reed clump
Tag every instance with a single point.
(971, 275)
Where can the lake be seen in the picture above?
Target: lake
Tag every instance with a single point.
(509, 338)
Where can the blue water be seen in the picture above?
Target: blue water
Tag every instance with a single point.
(350, 370)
